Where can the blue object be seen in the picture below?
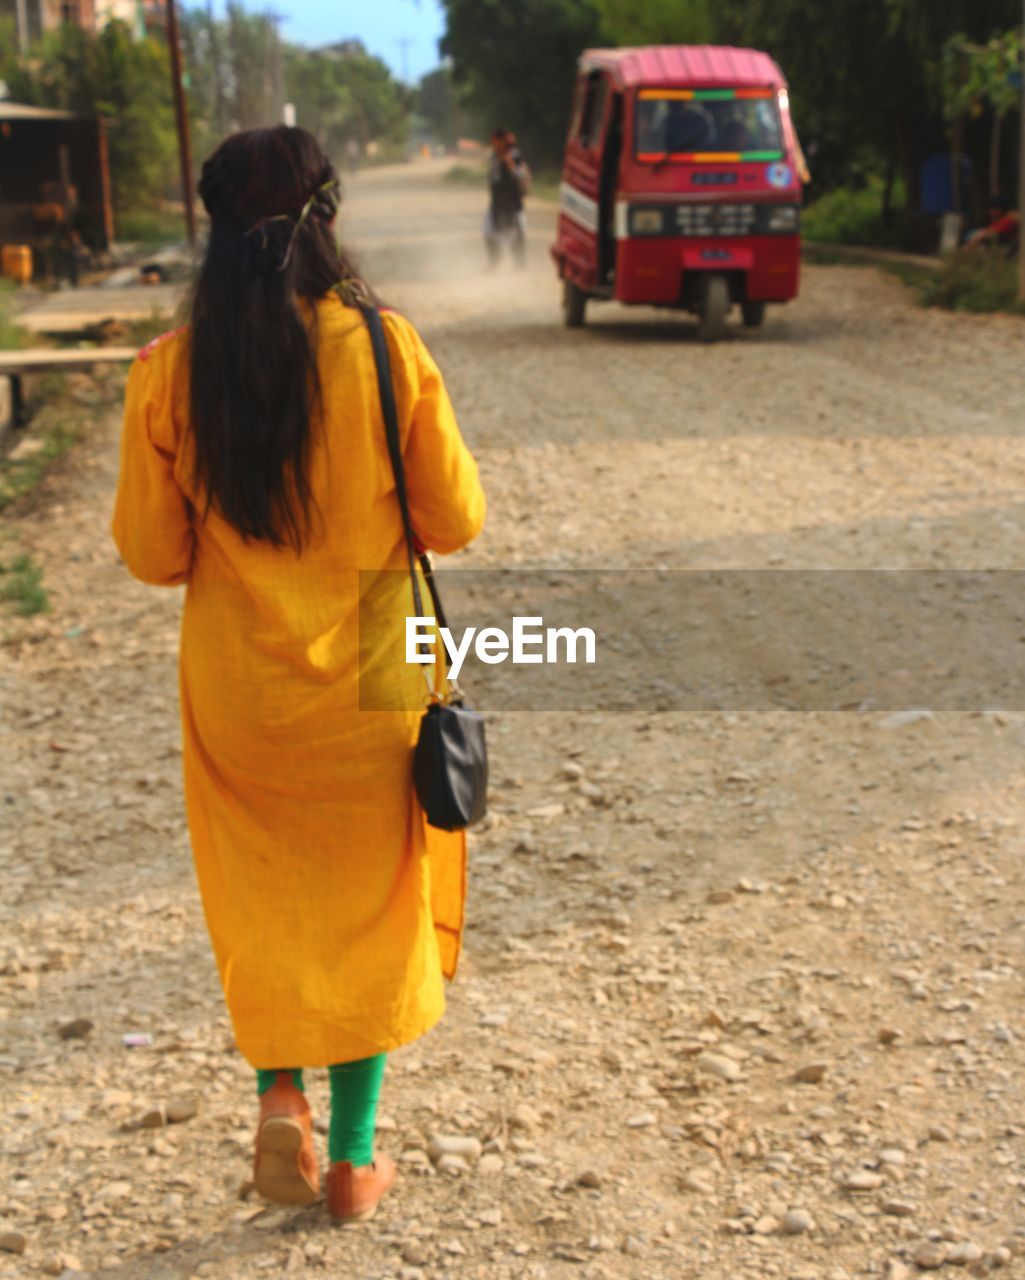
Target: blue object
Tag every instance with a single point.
(936, 194)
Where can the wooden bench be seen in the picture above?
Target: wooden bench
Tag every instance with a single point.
(15, 364)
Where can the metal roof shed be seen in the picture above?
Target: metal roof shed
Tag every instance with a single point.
(42, 148)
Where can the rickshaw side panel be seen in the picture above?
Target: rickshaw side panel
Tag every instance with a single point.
(577, 234)
(576, 248)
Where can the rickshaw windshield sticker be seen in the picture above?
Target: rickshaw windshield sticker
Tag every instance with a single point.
(778, 175)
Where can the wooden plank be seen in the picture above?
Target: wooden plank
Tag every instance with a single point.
(75, 310)
(40, 359)
(15, 364)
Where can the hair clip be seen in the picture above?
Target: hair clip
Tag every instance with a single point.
(261, 225)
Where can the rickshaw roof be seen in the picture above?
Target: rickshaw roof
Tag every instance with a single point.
(683, 65)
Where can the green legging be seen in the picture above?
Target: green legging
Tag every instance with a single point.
(355, 1089)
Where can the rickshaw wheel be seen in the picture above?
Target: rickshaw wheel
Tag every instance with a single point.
(574, 305)
(754, 314)
(714, 307)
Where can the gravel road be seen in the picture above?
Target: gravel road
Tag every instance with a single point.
(742, 992)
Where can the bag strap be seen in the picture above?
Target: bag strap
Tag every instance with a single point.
(386, 390)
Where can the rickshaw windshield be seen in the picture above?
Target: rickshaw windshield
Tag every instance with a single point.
(707, 124)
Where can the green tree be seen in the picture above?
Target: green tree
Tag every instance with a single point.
(8, 50)
(254, 68)
(322, 100)
(625, 22)
(865, 75)
(437, 102)
(979, 78)
(206, 79)
(348, 95)
(110, 74)
(442, 108)
(381, 103)
(234, 74)
(515, 61)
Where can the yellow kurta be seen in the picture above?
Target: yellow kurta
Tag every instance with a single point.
(333, 909)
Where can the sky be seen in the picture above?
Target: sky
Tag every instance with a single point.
(380, 24)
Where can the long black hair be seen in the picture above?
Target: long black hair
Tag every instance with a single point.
(272, 196)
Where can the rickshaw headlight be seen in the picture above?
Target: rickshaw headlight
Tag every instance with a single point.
(646, 222)
(783, 217)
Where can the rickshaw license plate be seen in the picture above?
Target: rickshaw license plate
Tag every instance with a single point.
(718, 256)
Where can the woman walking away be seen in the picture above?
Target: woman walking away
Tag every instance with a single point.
(255, 470)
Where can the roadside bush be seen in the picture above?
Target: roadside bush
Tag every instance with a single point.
(21, 587)
(138, 332)
(60, 411)
(983, 280)
(846, 216)
(157, 225)
(467, 175)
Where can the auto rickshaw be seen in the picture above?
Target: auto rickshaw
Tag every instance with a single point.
(681, 185)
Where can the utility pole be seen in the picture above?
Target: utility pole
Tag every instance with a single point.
(22, 8)
(404, 42)
(215, 58)
(182, 119)
(1021, 168)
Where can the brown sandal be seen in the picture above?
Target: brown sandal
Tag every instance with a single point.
(353, 1193)
(285, 1165)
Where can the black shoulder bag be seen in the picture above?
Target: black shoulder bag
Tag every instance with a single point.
(450, 763)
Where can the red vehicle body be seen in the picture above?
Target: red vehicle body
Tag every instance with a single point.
(681, 185)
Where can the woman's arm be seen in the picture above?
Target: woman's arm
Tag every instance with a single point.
(152, 526)
(446, 500)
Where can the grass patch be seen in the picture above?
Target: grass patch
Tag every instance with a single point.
(830, 257)
(915, 278)
(21, 587)
(22, 471)
(12, 335)
(980, 281)
(138, 332)
(545, 185)
(151, 227)
(61, 407)
(844, 216)
(975, 281)
(466, 175)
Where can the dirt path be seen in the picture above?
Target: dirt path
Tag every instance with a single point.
(672, 914)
